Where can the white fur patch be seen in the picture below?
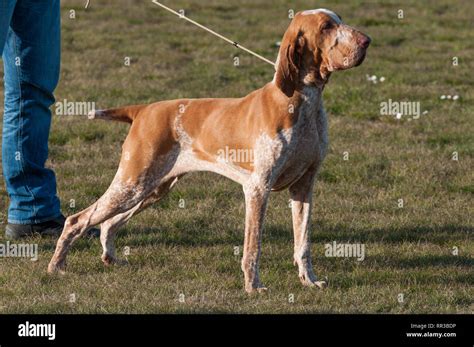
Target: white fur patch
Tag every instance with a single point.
(323, 10)
(344, 35)
(184, 138)
(313, 109)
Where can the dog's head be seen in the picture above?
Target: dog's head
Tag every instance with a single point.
(316, 44)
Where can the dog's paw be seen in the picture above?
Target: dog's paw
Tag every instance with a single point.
(256, 289)
(109, 261)
(311, 281)
(57, 268)
(320, 284)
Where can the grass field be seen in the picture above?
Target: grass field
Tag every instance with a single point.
(190, 250)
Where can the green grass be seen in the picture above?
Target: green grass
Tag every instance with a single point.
(190, 250)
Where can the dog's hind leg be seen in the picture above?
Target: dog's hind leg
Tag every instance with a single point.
(256, 199)
(108, 230)
(143, 166)
(120, 197)
(110, 227)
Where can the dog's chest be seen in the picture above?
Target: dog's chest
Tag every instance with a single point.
(307, 140)
(310, 132)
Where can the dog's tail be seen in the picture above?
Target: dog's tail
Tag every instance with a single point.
(122, 114)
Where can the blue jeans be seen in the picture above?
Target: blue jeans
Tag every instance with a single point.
(30, 45)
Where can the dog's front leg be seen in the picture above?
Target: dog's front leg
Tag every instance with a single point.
(255, 205)
(301, 202)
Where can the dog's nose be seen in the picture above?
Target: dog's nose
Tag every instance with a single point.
(364, 41)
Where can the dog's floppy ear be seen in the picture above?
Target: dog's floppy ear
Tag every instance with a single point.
(289, 61)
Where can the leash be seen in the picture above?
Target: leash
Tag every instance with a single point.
(233, 43)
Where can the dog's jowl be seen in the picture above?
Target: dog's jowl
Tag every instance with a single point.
(276, 138)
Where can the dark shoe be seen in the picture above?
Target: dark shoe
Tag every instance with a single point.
(50, 228)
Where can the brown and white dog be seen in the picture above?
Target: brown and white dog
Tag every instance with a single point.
(283, 125)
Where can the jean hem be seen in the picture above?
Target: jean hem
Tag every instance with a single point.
(34, 221)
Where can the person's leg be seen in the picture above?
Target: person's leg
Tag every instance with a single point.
(31, 59)
(6, 11)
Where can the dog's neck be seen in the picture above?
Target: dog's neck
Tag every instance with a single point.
(312, 104)
(312, 112)
(307, 93)
(312, 94)
(316, 78)
(313, 71)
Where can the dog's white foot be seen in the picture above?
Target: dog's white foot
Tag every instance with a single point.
(57, 268)
(111, 260)
(318, 284)
(309, 279)
(258, 289)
